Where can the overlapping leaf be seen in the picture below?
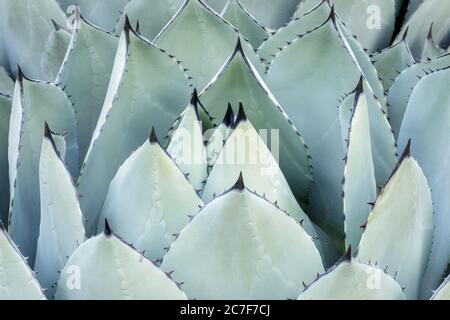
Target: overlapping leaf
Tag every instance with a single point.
(85, 75)
(202, 40)
(108, 268)
(427, 123)
(5, 113)
(152, 15)
(253, 263)
(140, 204)
(61, 225)
(17, 281)
(295, 28)
(398, 234)
(25, 27)
(351, 280)
(34, 103)
(247, 154)
(238, 81)
(147, 88)
(403, 86)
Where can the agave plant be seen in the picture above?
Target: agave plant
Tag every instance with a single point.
(224, 149)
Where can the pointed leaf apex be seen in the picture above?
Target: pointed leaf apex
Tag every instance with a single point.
(348, 254)
(107, 230)
(405, 35)
(359, 87)
(127, 25)
(153, 138)
(56, 25)
(138, 27)
(194, 98)
(239, 185)
(407, 151)
(228, 120)
(241, 116)
(238, 47)
(47, 131)
(430, 32)
(20, 75)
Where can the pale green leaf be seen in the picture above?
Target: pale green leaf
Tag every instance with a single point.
(308, 86)
(242, 247)
(239, 82)
(5, 114)
(391, 61)
(152, 15)
(17, 281)
(34, 103)
(242, 20)
(147, 88)
(398, 234)
(359, 185)
(140, 205)
(202, 40)
(61, 225)
(427, 123)
(110, 269)
(431, 48)
(85, 76)
(25, 26)
(102, 13)
(350, 280)
(187, 148)
(271, 13)
(430, 12)
(295, 28)
(246, 153)
(403, 86)
(55, 51)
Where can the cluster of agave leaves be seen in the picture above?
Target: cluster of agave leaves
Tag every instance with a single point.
(97, 195)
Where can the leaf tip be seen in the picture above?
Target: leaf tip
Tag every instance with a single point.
(107, 232)
(241, 116)
(153, 138)
(228, 119)
(239, 185)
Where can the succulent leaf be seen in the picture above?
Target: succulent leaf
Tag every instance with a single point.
(140, 205)
(55, 51)
(17, 280)
(187, 148)
(61, 224)
(427, 123)
(5, 114)
(296, 27)
(403, 87)
(253, 263)
(351, 280)
(148, 88)
(34, 103)
(218, 138)
(246, 154)
(25, 27)
(102, 13)
(152, 15)
(202, 52)
(431, 48)
(359, 185)
(241, 19)
(430, 12)
(111, 269)
(271, 13)
(372, 21)
(85, 75)
(392, 61)
(239, 82)
(398, 233)
(295, 80)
